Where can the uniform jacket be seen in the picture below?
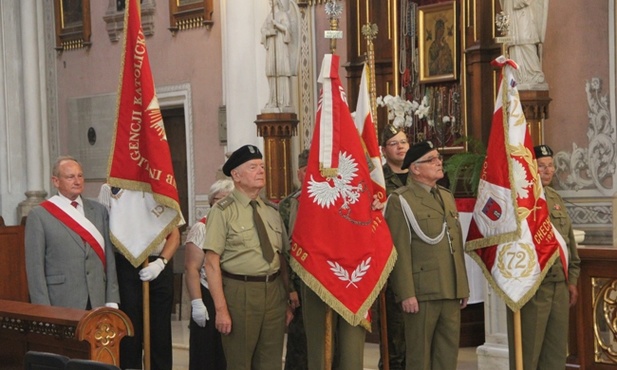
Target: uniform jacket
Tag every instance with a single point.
(427, 272)
(62, 269)
(393, 182)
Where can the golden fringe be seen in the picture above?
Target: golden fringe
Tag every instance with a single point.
(514, 306)
(353, 319)
(119, 94)
(137, 261)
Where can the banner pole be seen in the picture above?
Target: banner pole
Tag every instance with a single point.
(146, 308)
(328, 339)
(383, 321)
(518, 343)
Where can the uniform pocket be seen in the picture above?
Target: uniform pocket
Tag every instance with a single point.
(426, 279)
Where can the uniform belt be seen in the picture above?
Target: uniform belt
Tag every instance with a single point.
(247, 278)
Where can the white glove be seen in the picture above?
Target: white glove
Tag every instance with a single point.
(151, 271)
(112, 305)
(199, 312)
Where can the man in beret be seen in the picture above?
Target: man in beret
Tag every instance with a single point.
(545, 317)
(394, 146)
(245, 238)
(429, 277)
(296, 356)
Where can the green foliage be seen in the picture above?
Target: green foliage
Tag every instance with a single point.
(464, 169)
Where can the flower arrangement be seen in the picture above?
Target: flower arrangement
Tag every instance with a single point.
(401, 111)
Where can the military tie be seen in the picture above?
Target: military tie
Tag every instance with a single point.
(264, 241)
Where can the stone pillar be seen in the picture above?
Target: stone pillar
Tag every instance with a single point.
(493, 354)
(35, 192)
(277, 130)
(535, 106)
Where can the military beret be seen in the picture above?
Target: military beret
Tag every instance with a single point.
(241, 155)
(388, 133)
(416, 151)
(303, 158)
(542, 151)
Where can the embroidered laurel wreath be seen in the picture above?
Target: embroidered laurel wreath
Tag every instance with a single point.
(356, 276)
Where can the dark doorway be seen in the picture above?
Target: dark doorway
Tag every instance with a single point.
(176, 137)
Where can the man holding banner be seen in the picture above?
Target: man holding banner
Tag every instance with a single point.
(143, 205)
(545, 317)
(341, 248)
(511, 235)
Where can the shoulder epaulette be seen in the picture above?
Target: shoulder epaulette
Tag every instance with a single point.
(271, 204)
(225, 202)
(401, 190)
(444, 188)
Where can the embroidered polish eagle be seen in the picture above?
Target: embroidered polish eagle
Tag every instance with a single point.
(325, 193)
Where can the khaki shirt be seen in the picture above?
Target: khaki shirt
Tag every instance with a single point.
(231, 233)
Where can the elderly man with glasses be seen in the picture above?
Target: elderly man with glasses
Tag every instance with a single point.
(429, 278)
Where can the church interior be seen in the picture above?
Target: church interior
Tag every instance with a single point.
(59, 82)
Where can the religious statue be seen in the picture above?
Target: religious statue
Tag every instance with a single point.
(526, 33)
(279, 35)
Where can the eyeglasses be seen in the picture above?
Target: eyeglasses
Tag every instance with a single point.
(395, 143)
(431, 160)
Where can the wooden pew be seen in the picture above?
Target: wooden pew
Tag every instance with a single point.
(94, 334)
(14, 285)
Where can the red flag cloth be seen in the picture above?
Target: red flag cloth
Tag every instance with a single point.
(342, 249)
(511, 236)
(140, 160)
(366, 127)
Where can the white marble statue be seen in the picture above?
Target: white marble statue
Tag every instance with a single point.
(526, 33)
(279, 35)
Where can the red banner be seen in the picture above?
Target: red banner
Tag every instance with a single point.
(140, 160)
(343, 250)
(366, 127)
(511, 235)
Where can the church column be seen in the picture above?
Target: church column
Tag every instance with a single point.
(245, 73)
(35, 192)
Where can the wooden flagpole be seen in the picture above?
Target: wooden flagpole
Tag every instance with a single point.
(518, 341)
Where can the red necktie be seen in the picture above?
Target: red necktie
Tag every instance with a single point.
(74, 204)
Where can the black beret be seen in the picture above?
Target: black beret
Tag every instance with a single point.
(416, 151)
(388, 133)
(241, 155)
(542, 151)
(303, 158)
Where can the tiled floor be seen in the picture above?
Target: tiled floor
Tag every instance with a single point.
(466, 358)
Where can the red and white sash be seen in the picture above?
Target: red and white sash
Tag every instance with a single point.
(77, 222)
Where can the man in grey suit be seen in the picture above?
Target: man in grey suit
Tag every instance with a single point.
(69, 256)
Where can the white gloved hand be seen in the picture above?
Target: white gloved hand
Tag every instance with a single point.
(112, 305)
(199, 312)
(151, 271)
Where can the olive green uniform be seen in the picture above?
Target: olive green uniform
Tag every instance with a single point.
(394, 313)
(257, 309)
(545, 317)
(434, 274)
(295, 358)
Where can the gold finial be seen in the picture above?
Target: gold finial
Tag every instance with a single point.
(334, 9)
(370, 33)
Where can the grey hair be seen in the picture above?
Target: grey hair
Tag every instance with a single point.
(55, 171)
(225, 185)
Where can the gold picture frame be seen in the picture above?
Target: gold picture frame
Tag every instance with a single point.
(73, 28)
(437, 34)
